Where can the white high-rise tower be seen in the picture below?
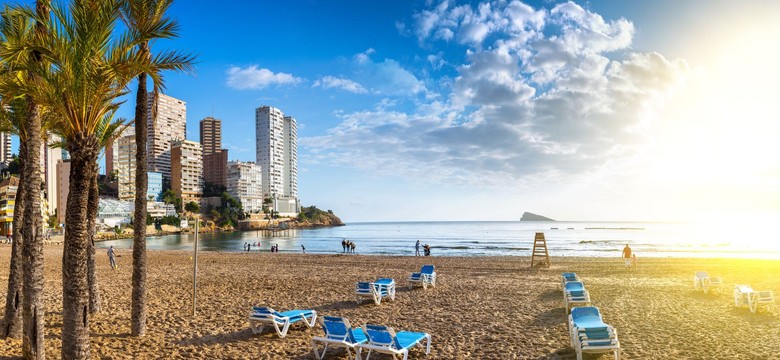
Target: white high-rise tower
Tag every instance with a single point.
(277, 156)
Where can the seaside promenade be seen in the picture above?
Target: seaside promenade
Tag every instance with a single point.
(481, 308)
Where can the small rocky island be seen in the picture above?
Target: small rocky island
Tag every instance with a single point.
(533, 217)
(312, 217)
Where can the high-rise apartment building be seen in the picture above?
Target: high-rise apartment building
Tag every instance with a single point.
(187, 170)
(111, 149)
(50, 156)
(244, 182)
(214, 157)
(5, 148)
(124, 165)
(277, 153)
(8, 188)
(211, 135)
(167, 123)
(63, 186)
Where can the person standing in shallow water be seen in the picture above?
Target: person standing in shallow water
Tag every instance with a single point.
(417, 248)
(627, 255)
(344, 245)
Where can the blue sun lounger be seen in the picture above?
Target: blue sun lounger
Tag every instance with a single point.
(381, 288)
(383, 339)
(262, 316)
(568, 277)
(589, 333)
(338, 333)
(574, 294)
(426, 276)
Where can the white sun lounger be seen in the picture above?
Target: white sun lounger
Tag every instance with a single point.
(703, 281)
(589, 334)
(383, 339)
(262, 316)
(338, 333)
(743, 295)
(765, 299)
(377, 290)
(426, 276)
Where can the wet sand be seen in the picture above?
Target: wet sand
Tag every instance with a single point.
(481, 308)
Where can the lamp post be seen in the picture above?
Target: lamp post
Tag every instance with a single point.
(195, 269)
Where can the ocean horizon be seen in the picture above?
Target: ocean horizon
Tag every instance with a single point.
(499, 238)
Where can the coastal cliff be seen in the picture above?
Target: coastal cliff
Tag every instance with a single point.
(533, 217)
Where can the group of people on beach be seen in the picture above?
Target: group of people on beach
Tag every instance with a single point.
(426, 249)
(347, 246)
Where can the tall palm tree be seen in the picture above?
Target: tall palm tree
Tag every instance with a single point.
(12, 121)
(25, 60)
(90, 69)
(148, 22)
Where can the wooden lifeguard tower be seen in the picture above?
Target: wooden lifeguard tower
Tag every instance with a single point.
(540, 256)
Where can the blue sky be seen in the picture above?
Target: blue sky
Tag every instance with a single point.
(480, 110)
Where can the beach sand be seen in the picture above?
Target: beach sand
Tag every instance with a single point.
(481, 308)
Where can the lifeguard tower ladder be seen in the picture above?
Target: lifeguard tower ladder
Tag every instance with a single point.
(540, 256)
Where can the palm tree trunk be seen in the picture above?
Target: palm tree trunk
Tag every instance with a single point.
(84, 151)
(94, 294)
(12, 323)
(138, 318)
(32, 242)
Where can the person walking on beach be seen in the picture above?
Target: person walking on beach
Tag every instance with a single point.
(111, 259)
(417, 248)
(303, 248)
(627, 255)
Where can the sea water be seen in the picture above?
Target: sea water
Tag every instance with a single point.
(602, 239)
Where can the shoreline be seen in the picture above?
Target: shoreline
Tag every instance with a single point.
(497, 300)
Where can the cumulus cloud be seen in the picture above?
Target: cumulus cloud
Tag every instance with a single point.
(253, 77)
(332, 82)
(538, 92)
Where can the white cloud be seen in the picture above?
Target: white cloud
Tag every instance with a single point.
(330, 82)
(253, 77)
(536, 96)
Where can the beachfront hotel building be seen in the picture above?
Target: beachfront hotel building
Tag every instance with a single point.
(245, 183)
(112, 149)
(187, 170)
(277, 155)
(167, 123)
(124, 165)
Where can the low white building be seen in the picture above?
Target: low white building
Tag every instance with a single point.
(244, 182)
(112, 212)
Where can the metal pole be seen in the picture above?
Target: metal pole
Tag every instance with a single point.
(195, 271)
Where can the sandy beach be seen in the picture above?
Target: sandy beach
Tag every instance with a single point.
(481, 308)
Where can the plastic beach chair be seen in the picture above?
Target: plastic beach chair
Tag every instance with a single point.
(743, 295)
(338, 333)
(698, 280)
(383, 339)
(712, 283)
(262, 316)
(765, 299)
(589, 334)
(574, 294)
(377, 290)
(426, 276)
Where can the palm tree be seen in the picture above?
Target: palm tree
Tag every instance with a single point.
(23, 60)
(148, 22)
(89, 71)
(12, 119)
